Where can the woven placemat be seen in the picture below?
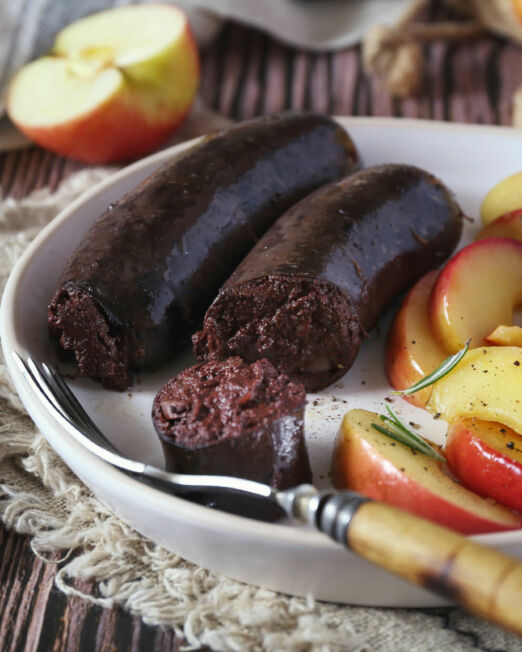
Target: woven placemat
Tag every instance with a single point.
(41, 497)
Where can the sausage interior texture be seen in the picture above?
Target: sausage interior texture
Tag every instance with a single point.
(310, 290)
(145, 272)
(233, 418)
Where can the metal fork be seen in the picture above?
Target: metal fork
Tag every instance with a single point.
(58, 398)
(298, 503)
(417, 550)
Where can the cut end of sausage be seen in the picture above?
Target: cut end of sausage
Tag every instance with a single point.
(234, 418)
(215, 401)
(80, 326)
(307, 328)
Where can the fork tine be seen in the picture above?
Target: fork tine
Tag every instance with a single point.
(39, 384)
(72, 405)
(33, 377)
(44, 381)
(59, 394)
(32, 368)
(47, 386)
(76, 411)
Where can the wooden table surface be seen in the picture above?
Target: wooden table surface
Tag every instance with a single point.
(244, 73)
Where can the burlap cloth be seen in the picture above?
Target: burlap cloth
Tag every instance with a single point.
(42, 498)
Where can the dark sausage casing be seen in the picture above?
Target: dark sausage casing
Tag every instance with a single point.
(146, 271)
(315, 284)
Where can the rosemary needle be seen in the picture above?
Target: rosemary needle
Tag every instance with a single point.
(448, 364)
(399, 431)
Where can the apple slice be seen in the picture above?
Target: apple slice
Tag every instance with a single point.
(485, 384)
(487, 458)
(412, 351)
(504, 197)
(505, 336)
(116, 85)
(506, 226)
(477, 290)
(381, 468)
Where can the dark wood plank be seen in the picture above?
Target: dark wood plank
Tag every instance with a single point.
(250, 90)
(509, 69)
(42, 592)
(320, 86)
(35, 616)
(275, 79)
(233, 69)
(345, 73)
(9, 165)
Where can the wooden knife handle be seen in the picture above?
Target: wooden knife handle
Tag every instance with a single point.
(484, 581)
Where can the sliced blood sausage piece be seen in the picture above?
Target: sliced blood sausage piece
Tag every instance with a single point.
(146, 271)
(315, 284)
(234, 418)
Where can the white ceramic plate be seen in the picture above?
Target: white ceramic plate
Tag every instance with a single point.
(278, 556)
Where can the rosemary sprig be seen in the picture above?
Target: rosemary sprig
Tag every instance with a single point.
(399, 431)
(448, 364)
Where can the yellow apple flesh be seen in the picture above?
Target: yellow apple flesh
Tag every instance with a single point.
(506, 226)
(116, 85)
(412, 351)
(505, 336)
(383, 469)
(486, 384)
(504, 197)
(478, 289)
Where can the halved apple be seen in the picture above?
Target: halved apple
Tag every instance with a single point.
(504, 197)
(485, 384)
(412, 351)
(487, 458)
(505, 336)
(477, 290)
(383, 469)
(506, 226)
(115, 86)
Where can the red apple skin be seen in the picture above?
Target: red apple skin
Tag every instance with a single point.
(122, 128)
(112, 133)
(448, 296)
(506, 226)
(474, 451)
(412, 350)
(357, 465)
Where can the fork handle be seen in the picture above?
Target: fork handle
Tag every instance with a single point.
(484, 581)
